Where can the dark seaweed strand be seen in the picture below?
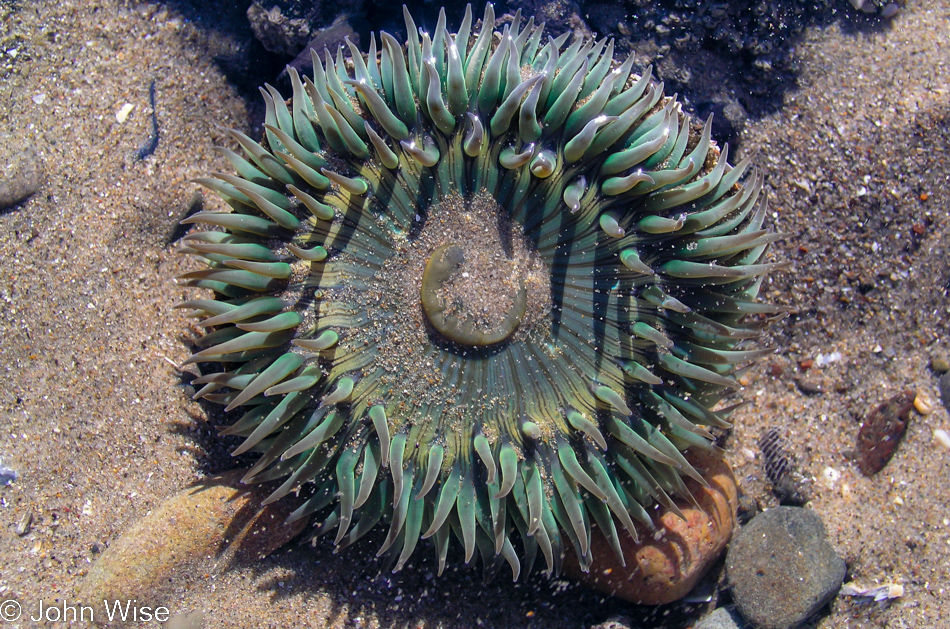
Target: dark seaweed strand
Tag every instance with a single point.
(152, 142)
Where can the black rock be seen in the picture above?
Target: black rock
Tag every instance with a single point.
(781, 568)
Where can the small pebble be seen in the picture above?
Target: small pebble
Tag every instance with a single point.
(890, 10)
(823, 360)
(808, 387)
(939, 364)
(942, 437)
(748, 508)
(24, 524)
(39, 98)
(7, 475)
(830, 477)
(923, 404)
(782, 569)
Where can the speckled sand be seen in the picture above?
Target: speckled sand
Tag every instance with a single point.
(94, 418)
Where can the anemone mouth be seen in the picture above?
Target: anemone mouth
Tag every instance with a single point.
(483, 281)
(478, 287)
(447, 313)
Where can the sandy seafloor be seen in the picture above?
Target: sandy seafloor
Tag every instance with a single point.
(95, 420)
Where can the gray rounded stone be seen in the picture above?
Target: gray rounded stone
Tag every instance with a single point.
(722, 618)
(781, 568)
(22, 176)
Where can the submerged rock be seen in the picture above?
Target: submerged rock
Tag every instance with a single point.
(206, 528)
(782, 569)
(668, 562)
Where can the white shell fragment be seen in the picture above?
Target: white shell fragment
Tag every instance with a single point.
(879, 593)
(123, 113)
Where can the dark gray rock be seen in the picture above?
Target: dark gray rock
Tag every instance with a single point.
(944, 387)
(781, 568)
(22, 179)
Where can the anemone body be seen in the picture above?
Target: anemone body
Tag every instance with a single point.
(479, 288)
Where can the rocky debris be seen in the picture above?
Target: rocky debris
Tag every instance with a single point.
(558, 16)
(882, 431)
(614, 622)
(23, 176)
(721, 618)
(286, 27)
(328, 38)
(668, 562)
(281, 28)
(781, 568)
(204, 529)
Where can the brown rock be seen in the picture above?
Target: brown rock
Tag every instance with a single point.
(882, 431)
(666, 563)
(204, 529)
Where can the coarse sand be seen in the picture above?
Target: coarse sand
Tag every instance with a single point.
(97, 421)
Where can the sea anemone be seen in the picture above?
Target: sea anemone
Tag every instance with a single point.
(485, 286)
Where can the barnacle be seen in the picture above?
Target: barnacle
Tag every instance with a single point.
(483, 286)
